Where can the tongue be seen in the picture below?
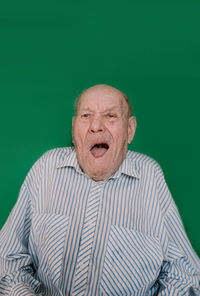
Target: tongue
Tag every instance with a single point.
(98, 151)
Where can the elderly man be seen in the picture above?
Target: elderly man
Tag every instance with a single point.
(97, 219)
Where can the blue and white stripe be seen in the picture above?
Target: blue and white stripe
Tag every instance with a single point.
(70, 235)
(87, 237)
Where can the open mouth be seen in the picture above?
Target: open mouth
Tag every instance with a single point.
(98, 150)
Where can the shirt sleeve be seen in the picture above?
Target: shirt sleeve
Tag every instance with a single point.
(180, 273)
(16, 266)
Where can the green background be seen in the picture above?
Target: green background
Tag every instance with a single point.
(51, 50)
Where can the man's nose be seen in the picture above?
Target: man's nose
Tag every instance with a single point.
(96, 125)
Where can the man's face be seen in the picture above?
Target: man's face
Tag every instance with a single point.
(102, 131)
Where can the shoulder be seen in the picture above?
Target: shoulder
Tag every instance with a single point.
(152, 176)
(143, 162)
(46, 164)
(49, 160)
(56, 155)
(148, 168)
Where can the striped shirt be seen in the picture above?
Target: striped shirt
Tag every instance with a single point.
(70, 235)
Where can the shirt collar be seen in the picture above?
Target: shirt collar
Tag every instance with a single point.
(69, 160)
(128, 166)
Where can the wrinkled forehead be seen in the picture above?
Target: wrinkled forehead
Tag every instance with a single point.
(100, 98)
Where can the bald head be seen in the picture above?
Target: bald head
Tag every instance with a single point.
(108, 89)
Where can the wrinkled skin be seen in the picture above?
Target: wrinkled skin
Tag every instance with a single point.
(101, 131)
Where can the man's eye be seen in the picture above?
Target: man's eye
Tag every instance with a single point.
(110, 115)
(86, 115)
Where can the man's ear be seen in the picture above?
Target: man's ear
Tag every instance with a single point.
(132, 123)
(73, 119)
